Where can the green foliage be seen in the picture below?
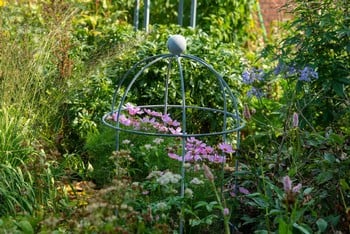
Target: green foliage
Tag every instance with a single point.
(16, 190)
(100, 27)
(312, 149)
(12, 138)
(319, 38)
(20, 225)
(36, 63)
(99, 147)
(229, 21)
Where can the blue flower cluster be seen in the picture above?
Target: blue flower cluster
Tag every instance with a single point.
(253, 76)
(249, 77)
(306, 74)
(255, 92)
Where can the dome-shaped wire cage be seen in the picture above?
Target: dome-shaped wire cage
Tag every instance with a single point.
(187, 94)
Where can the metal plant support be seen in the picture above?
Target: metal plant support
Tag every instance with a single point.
(232, 122)
(147, 12)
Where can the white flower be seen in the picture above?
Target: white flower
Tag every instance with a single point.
(188, 193)
(126, 142)
(169, 177)
(148, 146)
(196, 181)
(158, 141)
(154, 174)
(161, 206)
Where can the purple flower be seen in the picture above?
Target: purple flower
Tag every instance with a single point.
(243, 190)
(248, 77)
(169, 121)
(175, 123)
(307, 74)
(296, 189)
(259, 74)
(246, 112)
(207, 172)
(133, 110)
(176, 131)
(207, 150)
(279, 68)
(226, 148)
(287, 185)
(136, 124)
(124, 120)
(174, 156)
(166, 118)
(226, 211)
(216, 158)
(153, 113)
(291, 71)
(162, 128)
(295, 120)
(255, 92)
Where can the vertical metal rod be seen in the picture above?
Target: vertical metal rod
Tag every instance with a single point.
(166, 93)
(183, 107)
(180, 12)
(147, 13)
(136, 15)
(193, 13)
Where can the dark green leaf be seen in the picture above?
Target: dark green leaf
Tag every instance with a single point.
(321, 224)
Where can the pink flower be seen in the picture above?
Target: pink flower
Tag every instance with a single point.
(145, 119)
(166, 118)
(176, 131)
(287, 185)
(246, 113)
(226, 211)
(295, 120)
(216, 158)
(208, 150)
(226, 148)
(175, 123)
(169, 121)
(243, 190)
(296, 189)
(124, 120)
(115, 116)
(153, 113)
(136, 124)
(133, 110)
(208, 173)
(174, 156)
(192, 140)
(162, 128)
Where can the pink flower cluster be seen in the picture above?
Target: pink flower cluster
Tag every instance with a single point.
(197, 150)
(147, 119)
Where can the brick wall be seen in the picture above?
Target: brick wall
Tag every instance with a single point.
(272, 12)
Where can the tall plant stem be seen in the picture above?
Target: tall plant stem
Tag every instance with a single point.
(261, 21)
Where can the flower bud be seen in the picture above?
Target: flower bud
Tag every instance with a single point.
(208, 173)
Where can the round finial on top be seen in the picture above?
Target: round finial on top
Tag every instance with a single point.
(176, 44)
